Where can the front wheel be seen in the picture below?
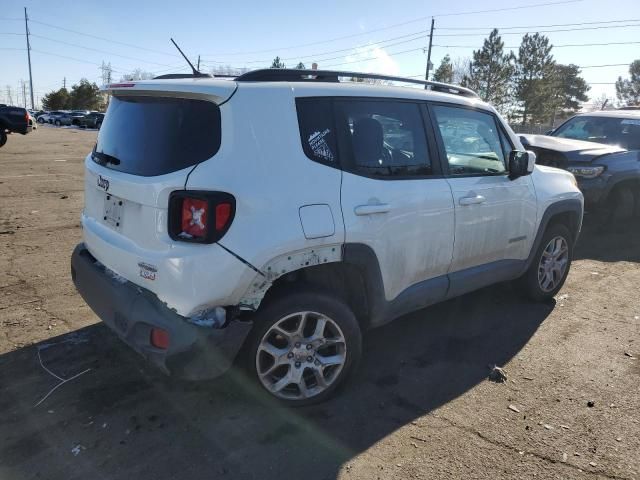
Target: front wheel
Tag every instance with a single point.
(550, 267)
(57, 123)
(3, 136)
(40, 120)
(303, 346)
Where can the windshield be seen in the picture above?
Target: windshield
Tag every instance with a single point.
(624, 132)
(151, 136)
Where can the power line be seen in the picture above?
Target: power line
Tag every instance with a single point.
(98, 50)
(539, 31)
(554, 46)
(541, 26)
(71, 58)
(110, 40)
(419, 19)
(419, 35)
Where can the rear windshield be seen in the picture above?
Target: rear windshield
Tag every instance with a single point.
(150, 136)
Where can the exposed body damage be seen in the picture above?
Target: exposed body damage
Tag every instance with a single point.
(284, 264)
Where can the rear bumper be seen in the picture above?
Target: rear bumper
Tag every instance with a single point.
(131, 312)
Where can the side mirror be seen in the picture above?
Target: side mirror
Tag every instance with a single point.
(549, 132)
(521, 163)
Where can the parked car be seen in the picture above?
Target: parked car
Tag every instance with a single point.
(274, 218)
(92, 120)
(63, 119)
(78, 115)
(602, 149)
(49, 117)
(14, 120)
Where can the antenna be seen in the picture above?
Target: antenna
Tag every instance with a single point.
(196, 73)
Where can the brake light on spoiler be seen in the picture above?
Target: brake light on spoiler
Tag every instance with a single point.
(121, 85)
(200, 216)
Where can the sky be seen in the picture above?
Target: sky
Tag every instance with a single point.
(71, 39)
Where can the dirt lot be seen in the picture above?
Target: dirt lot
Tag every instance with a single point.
(420, 406)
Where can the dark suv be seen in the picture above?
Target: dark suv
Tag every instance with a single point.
(602, 150)
(14, 120)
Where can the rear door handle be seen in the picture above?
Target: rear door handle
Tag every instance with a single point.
(472, 200)
(371, 209)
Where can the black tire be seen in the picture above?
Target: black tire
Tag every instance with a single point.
(40, 120)
(3, 136)
(57, 123)
(530, 281)
(305, 301)
(98, 125)
(621, 204)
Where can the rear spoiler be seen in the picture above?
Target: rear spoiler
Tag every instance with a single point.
(210, 89)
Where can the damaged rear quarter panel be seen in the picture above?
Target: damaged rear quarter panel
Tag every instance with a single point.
(284, 264)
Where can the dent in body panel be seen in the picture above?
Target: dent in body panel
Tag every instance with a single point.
(284, 264)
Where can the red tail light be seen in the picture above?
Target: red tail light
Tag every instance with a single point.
(159, 338)
(198, 216)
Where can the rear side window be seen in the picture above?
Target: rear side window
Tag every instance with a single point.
(317, 132)
(150, 136)
(385, 138)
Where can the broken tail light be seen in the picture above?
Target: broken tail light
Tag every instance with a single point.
(200, 216)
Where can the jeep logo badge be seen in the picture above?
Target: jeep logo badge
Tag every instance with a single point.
(103, 183)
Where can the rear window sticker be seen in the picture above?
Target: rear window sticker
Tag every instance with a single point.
(319, 145)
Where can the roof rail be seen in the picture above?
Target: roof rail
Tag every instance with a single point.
(295, 75)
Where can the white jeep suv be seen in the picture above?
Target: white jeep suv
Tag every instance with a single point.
(274, 217)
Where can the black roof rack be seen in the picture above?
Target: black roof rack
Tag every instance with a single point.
(181, 75)
(295, 75)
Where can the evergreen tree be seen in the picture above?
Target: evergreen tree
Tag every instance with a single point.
(490, 72)
(300, 66)
(567, 91)
(277, 63)
(534, 77)
(85, 96)
(628, 91)
(56, 100)
(444, 73)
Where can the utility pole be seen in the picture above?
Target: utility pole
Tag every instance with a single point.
(24, 93)
(64, 83)
(198, 63)
(26, 27)
(426, 75)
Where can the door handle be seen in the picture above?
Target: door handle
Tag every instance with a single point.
(371, 209)
(473, 200)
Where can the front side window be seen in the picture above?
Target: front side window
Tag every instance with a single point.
(471, 141)
(384, 138)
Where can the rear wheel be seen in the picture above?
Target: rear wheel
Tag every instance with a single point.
(40, 120)
(3, 136)
(57, 123)
(303, 346)
(550, 265)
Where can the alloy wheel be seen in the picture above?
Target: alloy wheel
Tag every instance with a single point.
(553, 263)
(301, 355)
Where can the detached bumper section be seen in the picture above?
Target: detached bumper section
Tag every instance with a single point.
(132, 312)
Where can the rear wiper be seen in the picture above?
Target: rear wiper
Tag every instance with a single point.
(104, 158)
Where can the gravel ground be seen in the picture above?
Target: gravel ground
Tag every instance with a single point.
(420, 405)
